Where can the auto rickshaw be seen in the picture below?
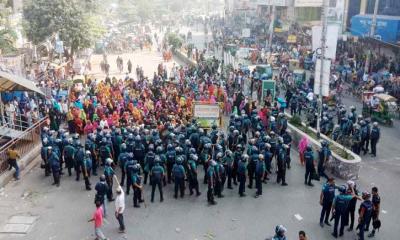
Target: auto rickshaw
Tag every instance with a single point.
(384, 111)
(264, 70)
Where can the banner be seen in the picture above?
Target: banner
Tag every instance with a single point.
(331, 40)
(292, 39)
(207, 114)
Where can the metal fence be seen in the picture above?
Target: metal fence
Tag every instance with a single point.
(24, 143)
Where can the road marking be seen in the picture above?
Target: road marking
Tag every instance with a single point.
(384, 212)
(298, 217)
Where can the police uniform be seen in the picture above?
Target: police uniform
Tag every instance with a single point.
(157, 174)
(241, 175)
(192, 177)
(340, 203)
(365, 213)
(178, 172)
(54, 162)
(328, 194)
(260, 171)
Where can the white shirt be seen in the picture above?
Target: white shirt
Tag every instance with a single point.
(120, 202)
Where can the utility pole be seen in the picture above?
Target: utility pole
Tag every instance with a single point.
(371, 35)
(322, 59)
(271, 26)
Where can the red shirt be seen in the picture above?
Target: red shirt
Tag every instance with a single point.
(98, 217)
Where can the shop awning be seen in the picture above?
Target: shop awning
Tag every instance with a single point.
(11, 82)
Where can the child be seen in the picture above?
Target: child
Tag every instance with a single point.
(98, 222)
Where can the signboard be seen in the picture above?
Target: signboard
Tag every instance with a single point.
(331, 40)
(292, 39)
(207, 114)
(325, 79)
(278, 3)
(268, 86)
(307, 3)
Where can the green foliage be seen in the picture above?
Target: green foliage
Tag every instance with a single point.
(174, 40)
(7, 40)
(68, 18)
(295, 120)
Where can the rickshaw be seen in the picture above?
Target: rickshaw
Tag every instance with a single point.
(384, 112)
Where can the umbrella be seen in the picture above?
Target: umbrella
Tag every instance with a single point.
(282, 102)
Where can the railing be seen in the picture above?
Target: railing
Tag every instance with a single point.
(24, 143)
(15, 123)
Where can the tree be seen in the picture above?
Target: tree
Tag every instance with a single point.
(70, 19)
(7, 35)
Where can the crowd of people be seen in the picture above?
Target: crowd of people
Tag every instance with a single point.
(133, 132)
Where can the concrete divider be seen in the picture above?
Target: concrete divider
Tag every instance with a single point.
(182, 57)
(26, 163)
(337, 165)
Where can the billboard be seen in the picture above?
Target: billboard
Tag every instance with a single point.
(331, 40)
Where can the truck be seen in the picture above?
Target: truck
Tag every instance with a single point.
(387, 27)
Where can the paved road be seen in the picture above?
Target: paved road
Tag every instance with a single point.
(63, 212)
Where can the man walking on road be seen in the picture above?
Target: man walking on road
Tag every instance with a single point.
(119, 208)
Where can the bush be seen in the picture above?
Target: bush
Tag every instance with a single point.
(296, 120)
(175, 41)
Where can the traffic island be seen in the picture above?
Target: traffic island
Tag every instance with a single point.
(343, 163)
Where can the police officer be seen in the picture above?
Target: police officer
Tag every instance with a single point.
(241, 174)
(228, 164)
(280, 231)
(129, 166)
(105, 151)
(267, 159)
(45, 156)
(365, 213)
(122, 159)
(356, 139)
(281, 164)
(287, 139)
(149, 162)
(326, 200)
(178, 173)
(310, 168)
(78, 159)
(375, 135)
(90, 145)
(156, 176)
(339, 210)
(376, 203)
(86, 168)
(54, 162)
(259, 174)
(211, 182)
(324, 155)
(69, 156)
(137, 186)
(109, 174)
(101, 191)
(192, 174)
(252, 165)
(170, 155)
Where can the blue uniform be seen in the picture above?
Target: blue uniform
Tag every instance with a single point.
(328, 192)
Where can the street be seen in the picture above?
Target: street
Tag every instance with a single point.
(62, 213)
